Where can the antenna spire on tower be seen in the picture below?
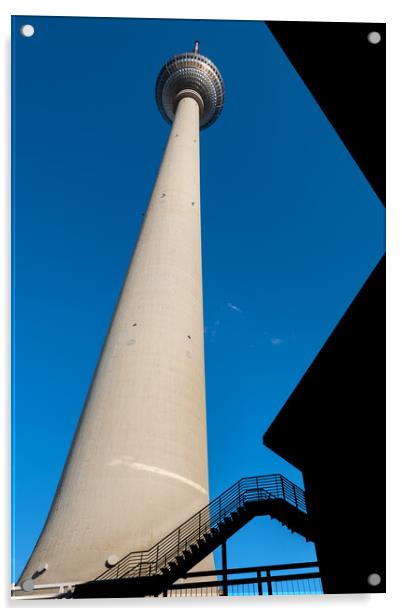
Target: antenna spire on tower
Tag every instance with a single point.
(196, 46)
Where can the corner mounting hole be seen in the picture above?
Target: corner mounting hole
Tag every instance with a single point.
(374, 579)
(28, 585)
(27, 30)
(188, 336)
(374, 37)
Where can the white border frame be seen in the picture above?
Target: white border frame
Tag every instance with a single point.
(293, 10)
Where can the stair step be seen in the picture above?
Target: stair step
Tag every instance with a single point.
(165, 570)
(172, 564)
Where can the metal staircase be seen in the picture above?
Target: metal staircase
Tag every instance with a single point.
(150, 572)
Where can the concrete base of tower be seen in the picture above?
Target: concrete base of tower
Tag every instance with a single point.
(116, 588)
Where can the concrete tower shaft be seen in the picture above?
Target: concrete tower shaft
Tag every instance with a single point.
(137, 467)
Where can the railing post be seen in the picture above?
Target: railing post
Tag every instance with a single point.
(239, 493)
(258, 492)
(224, 567)
(220, 508)
(259, 583)
(269, 582)
(295, 495)
(199, 526)
(178, 541)
(282, 488)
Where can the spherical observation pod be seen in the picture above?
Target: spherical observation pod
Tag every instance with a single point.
(194, 75)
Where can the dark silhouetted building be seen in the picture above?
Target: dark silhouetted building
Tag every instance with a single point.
(332, 428)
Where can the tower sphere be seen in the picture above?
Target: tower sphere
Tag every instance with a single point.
(194, 75)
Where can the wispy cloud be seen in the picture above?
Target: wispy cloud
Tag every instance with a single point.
(276, 341)
(212, 329)
(233, 307)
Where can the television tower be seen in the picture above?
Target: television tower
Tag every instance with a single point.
(137, 467)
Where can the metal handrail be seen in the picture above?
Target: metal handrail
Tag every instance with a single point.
(207, 520)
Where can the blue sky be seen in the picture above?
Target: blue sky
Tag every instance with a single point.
(290, 227)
